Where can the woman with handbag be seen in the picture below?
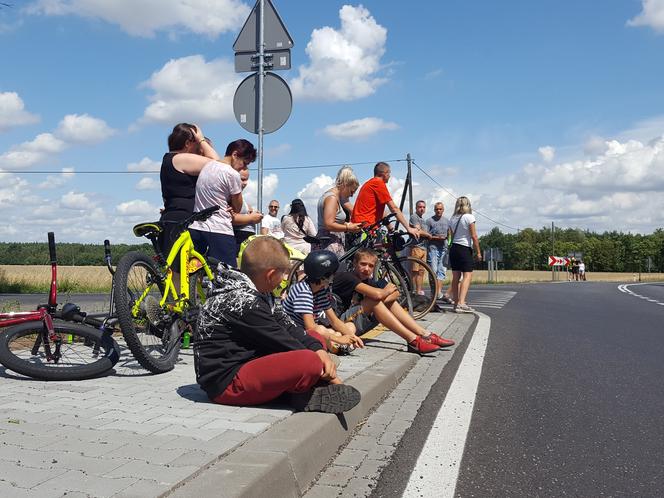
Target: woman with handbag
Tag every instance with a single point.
(297, 227)
(462, 238)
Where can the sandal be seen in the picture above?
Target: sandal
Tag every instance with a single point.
(463, 308)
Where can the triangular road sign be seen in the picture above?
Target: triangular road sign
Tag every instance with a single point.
(275, 34)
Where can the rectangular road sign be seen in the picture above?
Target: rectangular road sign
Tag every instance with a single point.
(275, 60)
(558, 261)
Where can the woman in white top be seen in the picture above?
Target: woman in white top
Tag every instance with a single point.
(462, 229)
(296, 225)
(219, 184)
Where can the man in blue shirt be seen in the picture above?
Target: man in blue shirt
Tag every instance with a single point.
(437, 226)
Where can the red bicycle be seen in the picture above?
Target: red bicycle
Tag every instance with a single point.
(57, 344)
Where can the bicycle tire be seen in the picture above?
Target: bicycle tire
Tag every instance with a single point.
(386, 270)
(154, 342)
(428, 285)
(296, 266)
(84, 352)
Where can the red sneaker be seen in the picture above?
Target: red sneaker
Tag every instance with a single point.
(440, 341)
(421, 345)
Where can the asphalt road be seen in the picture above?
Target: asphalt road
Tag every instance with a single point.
(570, 399)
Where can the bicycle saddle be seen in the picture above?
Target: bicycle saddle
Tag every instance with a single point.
(148, 229)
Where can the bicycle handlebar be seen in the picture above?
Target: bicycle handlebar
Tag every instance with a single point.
(51, 247)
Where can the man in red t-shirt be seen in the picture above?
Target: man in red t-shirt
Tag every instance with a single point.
(374, 196)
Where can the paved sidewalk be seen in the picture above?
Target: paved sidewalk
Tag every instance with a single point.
(134, 434)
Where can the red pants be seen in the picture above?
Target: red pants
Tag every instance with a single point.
(264, 379)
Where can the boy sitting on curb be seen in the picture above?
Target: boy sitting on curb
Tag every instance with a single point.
(309, 304)
(248, 353)
(369, 303)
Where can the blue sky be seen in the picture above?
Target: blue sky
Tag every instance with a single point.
(538, 111)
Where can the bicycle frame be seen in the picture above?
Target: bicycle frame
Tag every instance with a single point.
(190, 261)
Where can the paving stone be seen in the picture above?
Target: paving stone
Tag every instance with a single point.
(335, 474)
(359, 487)
(27, 477)
(163, 474)
(77, 481)
(351, 458)
(142, 489)
(319, 491)
(196, 458)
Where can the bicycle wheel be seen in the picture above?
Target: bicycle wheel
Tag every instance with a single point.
(151, 333)
(74, 352)
(294, 276)
(387, 271)
(421, 304)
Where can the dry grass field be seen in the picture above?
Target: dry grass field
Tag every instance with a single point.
(37, 278)
(16, 278)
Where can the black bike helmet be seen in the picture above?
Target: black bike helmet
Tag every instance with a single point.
(320, 264)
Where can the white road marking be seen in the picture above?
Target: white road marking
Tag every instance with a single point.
(625, 288)
(437, 468)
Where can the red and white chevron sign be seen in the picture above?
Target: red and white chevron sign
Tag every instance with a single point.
(558, 261)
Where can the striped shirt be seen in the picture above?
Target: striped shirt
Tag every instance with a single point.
(301, 301)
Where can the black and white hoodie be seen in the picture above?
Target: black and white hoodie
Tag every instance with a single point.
(238, 324)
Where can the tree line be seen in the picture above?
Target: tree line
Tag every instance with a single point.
(526, 250)
(607, 252)
(74, 254)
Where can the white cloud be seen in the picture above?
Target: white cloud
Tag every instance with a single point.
(83, 128)
(12, 191)
(270, 184)
(146, 17)
(652, 15)
(77, 201)
(312, 191)
(137, 208)
(53, 181)
(343, 64)
(629, 167)
(192, 90)
(278, 150)
(145, 164)
(547, 153)
(359, 129)
(147, 183)
(27, 154)
(13, 113)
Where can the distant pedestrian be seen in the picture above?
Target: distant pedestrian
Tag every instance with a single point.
(438, 226)
(271, 223)
(297, 225)
(582, 270)
(464, 237)
(419, 250)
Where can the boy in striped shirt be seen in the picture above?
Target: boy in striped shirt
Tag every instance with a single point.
(309, 303)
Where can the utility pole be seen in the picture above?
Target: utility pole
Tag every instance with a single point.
(553, 252)
(409, 184)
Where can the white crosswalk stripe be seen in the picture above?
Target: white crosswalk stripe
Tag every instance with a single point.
(485, 298)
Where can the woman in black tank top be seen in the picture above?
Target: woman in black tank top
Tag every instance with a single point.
(188, 152)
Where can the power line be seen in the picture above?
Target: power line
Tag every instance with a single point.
(116, 172)
(454, 195)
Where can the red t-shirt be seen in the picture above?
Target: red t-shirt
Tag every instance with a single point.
(370, 204)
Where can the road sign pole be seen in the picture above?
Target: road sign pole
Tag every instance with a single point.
(261, 79)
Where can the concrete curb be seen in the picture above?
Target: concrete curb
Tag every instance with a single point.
(286, 459)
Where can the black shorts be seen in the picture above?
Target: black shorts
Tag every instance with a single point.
(461, 258)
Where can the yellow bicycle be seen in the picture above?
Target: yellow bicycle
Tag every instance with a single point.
(156, 307)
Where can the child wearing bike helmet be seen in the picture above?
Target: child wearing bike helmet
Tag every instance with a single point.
(310, 303)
